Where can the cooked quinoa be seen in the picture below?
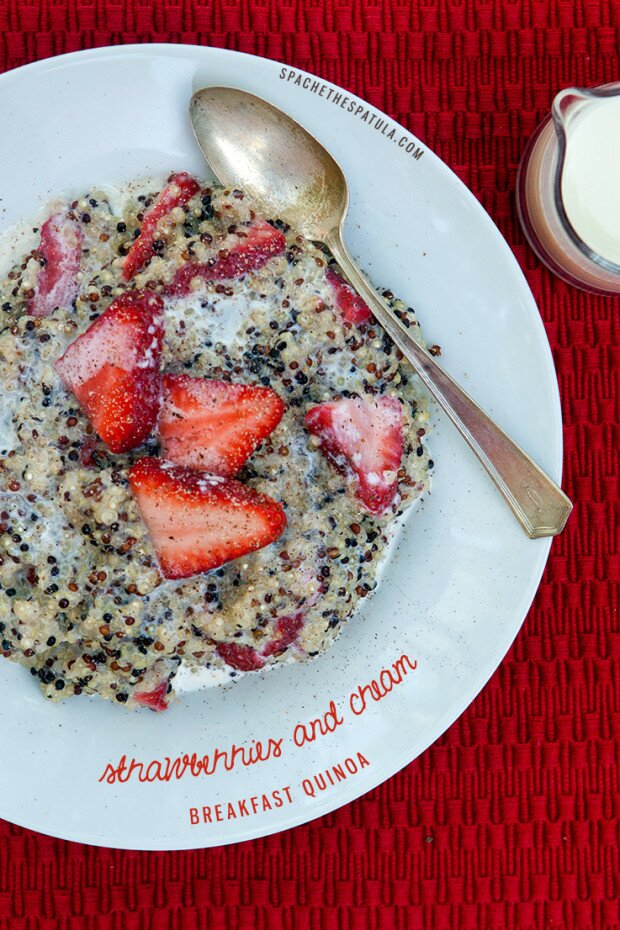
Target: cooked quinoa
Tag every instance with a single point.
(83, 604)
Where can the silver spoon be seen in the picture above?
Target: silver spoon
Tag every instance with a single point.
(253, 145)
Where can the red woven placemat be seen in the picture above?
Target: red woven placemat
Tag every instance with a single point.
(510, 820)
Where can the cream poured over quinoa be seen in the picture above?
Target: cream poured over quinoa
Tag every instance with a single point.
(83, 603)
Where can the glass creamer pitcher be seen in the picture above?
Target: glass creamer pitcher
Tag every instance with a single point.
(568, 188)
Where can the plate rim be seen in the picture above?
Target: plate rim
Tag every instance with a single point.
(401, 760)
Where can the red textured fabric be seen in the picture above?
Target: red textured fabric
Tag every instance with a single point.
(510, 821)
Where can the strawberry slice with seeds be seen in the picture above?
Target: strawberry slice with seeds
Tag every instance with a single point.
(350, 305)
(61, 249)
(241, 252)
(180, 189)
(243, 658)
(198, 521)
(157, 699)
(363, 437)
(113, 369)
(213, 425)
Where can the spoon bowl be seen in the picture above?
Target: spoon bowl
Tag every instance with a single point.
(250, 143)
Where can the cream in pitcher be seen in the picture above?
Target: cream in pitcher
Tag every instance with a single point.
(591, 177)
(568, 188)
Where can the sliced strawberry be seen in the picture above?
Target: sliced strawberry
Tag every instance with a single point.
(180, 189)
(363, 436)
(287, 631)
(61, 248)
(198, 521)
(241, 252)
(243, 658)
(214, 425)
(113, 369)
(349, 303)
(157, 699)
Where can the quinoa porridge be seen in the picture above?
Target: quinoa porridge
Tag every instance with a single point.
(204, 440)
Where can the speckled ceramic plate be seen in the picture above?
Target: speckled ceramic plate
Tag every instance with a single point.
(229, 764)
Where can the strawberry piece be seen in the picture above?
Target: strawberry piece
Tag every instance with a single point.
(113, 369)
(237, 256)
(364, 437)
(349, 303)
(213, 425)
(180, 189)
(56, 284)
(198, 521)
(157, 699)
(243, 658)
(247, 659)
(287, 631)
(88, 451)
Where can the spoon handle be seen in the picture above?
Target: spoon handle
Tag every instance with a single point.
(540, 506)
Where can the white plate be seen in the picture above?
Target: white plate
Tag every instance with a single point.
(457, 589)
